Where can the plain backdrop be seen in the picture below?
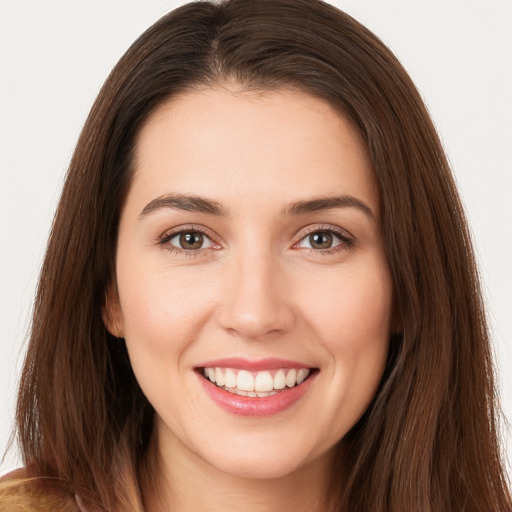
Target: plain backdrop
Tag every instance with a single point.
(54, 56)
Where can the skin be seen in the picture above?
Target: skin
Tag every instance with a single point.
(258, 289)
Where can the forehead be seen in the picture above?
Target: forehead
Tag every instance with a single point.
(223, 143)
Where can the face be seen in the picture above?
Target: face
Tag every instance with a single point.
(252, 288)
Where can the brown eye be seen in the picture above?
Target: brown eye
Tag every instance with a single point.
(191, 241)
(321, 240)
(188, 241)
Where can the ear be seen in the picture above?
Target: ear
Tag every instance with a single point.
(111, 313)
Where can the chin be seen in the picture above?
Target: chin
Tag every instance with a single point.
(259, 460)
(257, 469)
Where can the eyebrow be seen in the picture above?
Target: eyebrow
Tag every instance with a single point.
(328, 203)
(191, 203)
(184, 202)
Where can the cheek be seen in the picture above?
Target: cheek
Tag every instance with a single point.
(355, 307)
(161, 317)
(160, 301)
(352, 322)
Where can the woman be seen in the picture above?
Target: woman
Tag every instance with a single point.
(259, 288)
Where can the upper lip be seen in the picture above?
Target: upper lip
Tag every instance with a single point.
(255, 365)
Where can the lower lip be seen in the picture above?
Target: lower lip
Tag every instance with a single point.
(254, 406)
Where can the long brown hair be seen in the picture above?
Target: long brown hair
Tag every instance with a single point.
(429, 440)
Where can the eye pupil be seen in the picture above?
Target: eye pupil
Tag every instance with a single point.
(321, 240)
(191, 240)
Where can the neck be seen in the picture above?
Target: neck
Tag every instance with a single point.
(183, 482)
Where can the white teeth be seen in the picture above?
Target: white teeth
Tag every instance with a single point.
(245, 381)
(230, 379)
(301, 375)
(264, 382)
(279, 380)
(255, 384)
(291, 378)
(219, 377)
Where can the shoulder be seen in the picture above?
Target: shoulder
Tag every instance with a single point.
(22, 492)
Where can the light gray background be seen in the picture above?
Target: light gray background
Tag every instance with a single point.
(54, 56)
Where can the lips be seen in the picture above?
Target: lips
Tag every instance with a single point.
(255, 388)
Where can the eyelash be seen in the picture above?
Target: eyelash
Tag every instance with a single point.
(164, 240)
(347, 241)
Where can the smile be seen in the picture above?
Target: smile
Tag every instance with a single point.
(255, 389)
(256, 384)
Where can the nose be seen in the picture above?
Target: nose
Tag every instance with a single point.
(256, 302)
